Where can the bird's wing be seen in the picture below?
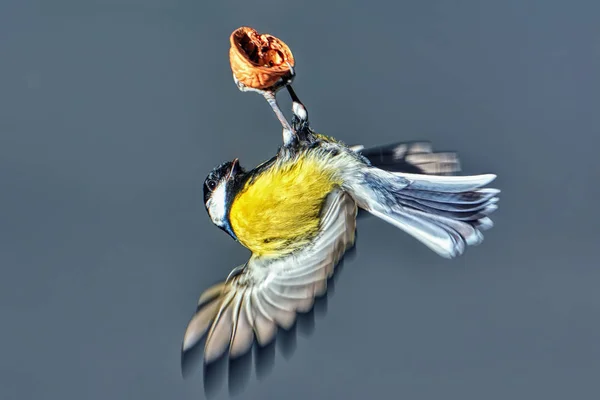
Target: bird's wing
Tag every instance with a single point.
(415, 157)
(267, 293)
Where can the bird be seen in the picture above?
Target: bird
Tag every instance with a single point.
(297, 214)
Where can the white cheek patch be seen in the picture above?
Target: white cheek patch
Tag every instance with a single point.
(216, 205)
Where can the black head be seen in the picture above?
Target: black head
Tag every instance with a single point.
(220, 187)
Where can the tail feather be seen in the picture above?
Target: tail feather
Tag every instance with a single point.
(474, 197)
(443, 241)
(449, 206)
(461, 215)
(447, 184)
(468, 232)
(484, 224)
(446, 213)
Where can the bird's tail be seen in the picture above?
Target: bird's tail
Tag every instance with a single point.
(446, 213)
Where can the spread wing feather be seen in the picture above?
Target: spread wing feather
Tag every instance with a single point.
(267, 293)
(415, 157)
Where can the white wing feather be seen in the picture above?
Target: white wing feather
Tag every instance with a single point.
(268, 292)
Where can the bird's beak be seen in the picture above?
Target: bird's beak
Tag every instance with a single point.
(235, 166)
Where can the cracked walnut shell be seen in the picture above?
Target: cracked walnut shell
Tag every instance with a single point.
(258, 60)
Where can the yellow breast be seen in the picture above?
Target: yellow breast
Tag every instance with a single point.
(278, 211)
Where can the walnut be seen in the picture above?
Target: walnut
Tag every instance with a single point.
(259, 61)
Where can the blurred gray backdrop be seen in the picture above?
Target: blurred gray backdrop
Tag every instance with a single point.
(113, 112)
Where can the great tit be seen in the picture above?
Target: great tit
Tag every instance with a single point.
(297, 212)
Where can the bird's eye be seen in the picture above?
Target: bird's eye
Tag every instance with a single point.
(211, 185)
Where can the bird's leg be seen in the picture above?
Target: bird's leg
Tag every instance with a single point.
(289, 134)
(300, 118)
(299, 110)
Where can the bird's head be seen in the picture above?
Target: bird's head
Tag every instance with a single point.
(220, 188)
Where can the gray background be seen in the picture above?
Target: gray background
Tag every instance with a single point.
(113, 112)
